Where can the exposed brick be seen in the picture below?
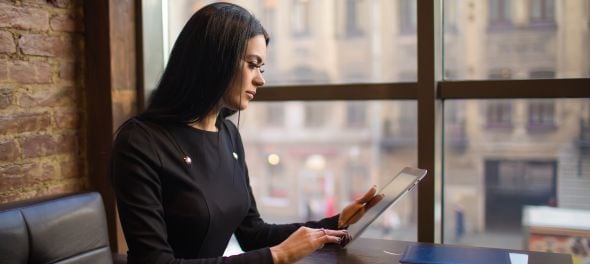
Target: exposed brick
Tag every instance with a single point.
(28, 72)
(67, 143)
(53, 96)
(39, 145)
(7, 42)
(70, 71)
(70, 169)
(18, 175)
(3, 70)
(43, 45)
(23, 17)
(47, 3)
(25, 122)
(67, 23)
(67, 119)
(6, 96)
(67, 186)
(8, 150)
(60, 3)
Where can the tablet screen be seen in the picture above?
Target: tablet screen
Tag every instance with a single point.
(401, 183)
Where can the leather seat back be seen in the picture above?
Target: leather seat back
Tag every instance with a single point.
(70, 229)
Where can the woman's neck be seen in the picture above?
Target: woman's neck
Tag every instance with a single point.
(207, 123)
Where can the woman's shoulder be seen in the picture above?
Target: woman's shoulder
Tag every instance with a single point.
(137, 130)
(230, 126)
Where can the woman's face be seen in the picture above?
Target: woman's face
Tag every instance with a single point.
(249, 78)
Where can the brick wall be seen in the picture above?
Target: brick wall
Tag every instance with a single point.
(42, 146)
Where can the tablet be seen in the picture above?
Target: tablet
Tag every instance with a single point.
(395, 189)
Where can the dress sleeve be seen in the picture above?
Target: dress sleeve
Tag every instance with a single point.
(135, 167)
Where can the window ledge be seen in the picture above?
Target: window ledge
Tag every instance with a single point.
(541, 128)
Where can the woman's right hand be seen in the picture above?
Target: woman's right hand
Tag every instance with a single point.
(303, 242)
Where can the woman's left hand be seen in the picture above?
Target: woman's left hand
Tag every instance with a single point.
(355, 211)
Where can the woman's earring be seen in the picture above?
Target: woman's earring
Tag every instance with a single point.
(235, 155)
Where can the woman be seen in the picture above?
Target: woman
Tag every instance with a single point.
(178, 169)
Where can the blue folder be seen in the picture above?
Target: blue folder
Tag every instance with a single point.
(442, 254)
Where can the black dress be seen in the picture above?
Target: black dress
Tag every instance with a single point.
(182, 192)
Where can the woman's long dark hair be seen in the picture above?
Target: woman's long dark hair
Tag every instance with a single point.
(204, 60)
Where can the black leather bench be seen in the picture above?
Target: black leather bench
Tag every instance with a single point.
(68, 229)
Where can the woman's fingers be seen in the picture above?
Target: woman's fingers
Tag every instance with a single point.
(374, 201)
(331, 236)
(368, 196)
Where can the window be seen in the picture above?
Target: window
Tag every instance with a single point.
(407, 15)
(455, 134)
(275, 114)
(542, 74)
(541, 115)
(353, 18)
(450, 15)
(500, 13)
(315, 115)
(301, 18)
(491, 183)
(500, 74)
(269, 19)
(491, 68)
(356, 114)
(542, 12)
(356, 183)
(499, 114)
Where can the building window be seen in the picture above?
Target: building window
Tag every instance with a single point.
(315, 114)
(500, 74)
(541, 115)
(408, 114)
(301, 18)
(356, 114)
(275, 114)
(542, 74)
(455, 131)
(499, 14)
(542, 12)
(499, 114)
(269, 22)
(408, 16)
(353, 21)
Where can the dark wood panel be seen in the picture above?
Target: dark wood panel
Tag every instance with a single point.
(378, 91)
(99, 120)
(549, 88)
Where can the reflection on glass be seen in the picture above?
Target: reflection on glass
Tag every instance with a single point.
(503, 39)
(504, 186)
(302, 170)
(328, 41)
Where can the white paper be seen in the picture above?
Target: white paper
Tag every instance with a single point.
(518, 258)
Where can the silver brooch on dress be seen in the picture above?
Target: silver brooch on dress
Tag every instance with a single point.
(187, 160)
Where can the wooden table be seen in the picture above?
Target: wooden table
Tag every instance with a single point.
(388, 251)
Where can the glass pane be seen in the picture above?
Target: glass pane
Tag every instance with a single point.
(307, 160)
(327, 41)
(504, 39)
(517, 174)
